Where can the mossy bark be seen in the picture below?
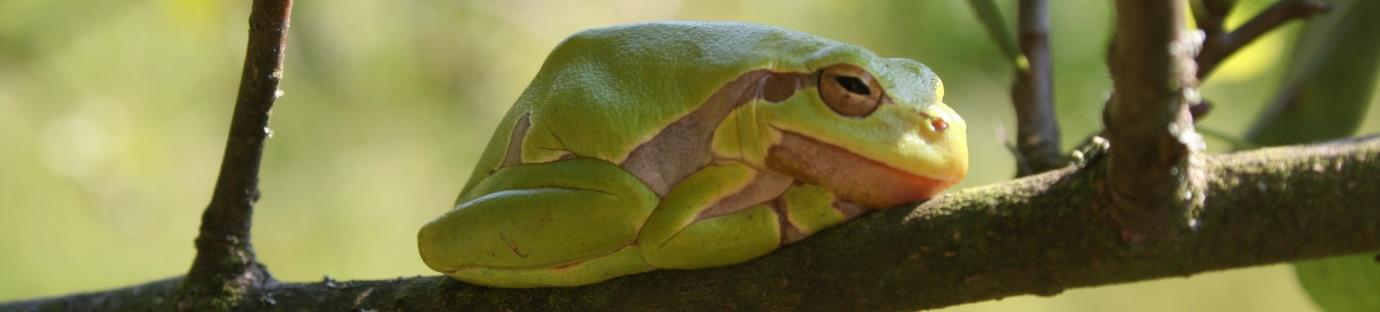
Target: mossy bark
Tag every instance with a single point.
(1036, 235)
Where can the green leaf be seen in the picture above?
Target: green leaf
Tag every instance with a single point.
(1349, 283)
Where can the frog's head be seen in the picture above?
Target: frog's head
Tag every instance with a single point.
(873, 130)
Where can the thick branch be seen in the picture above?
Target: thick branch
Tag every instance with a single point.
(1153, 176)
(1037, 235)
(225, 258)
(1037, 132)
(1218, 44)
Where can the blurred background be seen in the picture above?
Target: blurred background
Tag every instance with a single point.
(113, 117)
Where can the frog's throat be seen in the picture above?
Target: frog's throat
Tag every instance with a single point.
(855, 178)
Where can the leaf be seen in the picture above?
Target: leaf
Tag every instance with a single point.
(1348, 283)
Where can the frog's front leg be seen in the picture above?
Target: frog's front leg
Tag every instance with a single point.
(730, 213)
(810, 208)
(720, 215)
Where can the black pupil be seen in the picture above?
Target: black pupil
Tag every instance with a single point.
(853, 84)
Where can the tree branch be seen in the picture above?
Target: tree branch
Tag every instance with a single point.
(1032, 92)
(1219, 44)
(1154, 179)
(1211, 15)
(1331, 79)
(225, 264)
(990, 17)
(1037, 132)
(1328, 86)
(1036, 235)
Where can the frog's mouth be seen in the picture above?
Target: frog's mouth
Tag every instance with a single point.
(853, 177)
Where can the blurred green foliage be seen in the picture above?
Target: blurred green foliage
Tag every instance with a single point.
(113, 117)
(1336, 63)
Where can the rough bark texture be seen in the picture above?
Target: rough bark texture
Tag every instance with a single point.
(1154, 178)
(225, 266)
(1037, 235)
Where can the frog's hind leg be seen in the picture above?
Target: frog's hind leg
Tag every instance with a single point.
(563, 223)
(622, 262)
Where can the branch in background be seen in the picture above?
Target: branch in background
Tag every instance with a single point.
(225, 265)
(1219, 44)
(1154, 180)
(1211, 15)
(1037, 128)
(1032, 92)
(991, 19)
(1199, 109)
(1328, 86)
(1038, 235)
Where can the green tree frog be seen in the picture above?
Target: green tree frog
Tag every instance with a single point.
(683, 145)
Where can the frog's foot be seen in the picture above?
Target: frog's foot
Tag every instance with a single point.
(806, 209)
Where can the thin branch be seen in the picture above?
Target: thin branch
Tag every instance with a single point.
(1211, 15)
(1037, 235)
(1154, 179)
(1199, 109)
(1037, 133)
(1032, 92)
(1218, 45)
(995, 25)
(1328, 85)
(225, 259)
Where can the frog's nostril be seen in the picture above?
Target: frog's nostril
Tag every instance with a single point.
(938, 124)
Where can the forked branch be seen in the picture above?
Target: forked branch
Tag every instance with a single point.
(1154, 178)
(1218, 44)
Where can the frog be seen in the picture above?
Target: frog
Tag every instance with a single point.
(690, 145)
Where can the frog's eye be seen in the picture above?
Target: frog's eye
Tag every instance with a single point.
(849, 90)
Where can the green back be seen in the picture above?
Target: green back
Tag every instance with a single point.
(604, 91)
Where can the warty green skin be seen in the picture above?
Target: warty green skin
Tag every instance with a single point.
(566, 214)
